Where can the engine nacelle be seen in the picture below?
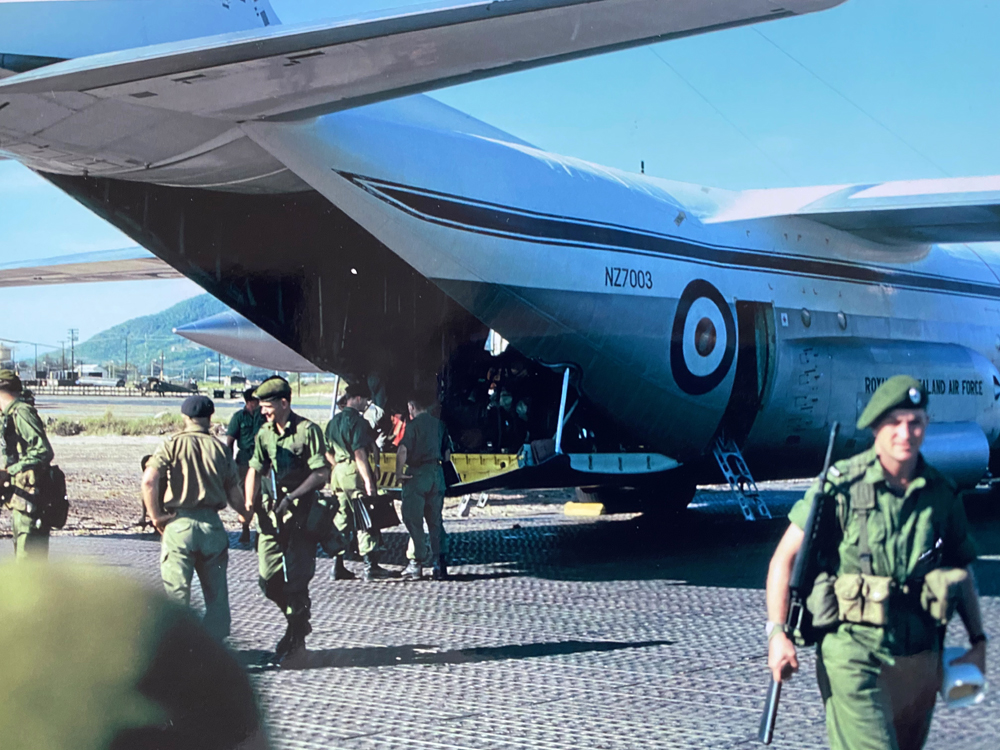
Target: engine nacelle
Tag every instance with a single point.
(958, 449)
(821, 380)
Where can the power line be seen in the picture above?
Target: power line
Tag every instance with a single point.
(850, 101)
(721, 114)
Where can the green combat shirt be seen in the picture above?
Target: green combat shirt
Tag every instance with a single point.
(347, 432)
(900, 530)
(294, 455)
(244, 426)
(200, 470)
(426, 441)
(23, 442)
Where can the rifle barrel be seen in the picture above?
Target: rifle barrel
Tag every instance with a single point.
(767, 719)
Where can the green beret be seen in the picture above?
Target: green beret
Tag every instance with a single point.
(9, 380)
(898, 392)
(273, 388)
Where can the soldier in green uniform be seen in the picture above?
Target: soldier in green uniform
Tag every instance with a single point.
(242, 430)
(26, 454)
(289, 454)
(104, 663)
(201, 480)
(350, 441)
(424, 446)
(900, 548)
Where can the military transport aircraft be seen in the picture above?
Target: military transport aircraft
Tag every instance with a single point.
(297, 174)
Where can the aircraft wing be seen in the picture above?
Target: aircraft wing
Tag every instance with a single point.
(293, 72)
(126, 264)
(960, 209)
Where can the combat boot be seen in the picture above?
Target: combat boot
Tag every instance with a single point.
(440, 571)
(339, 572)
(373, 571)
(413, 572)
(295, 647)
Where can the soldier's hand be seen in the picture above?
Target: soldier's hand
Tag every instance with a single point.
(369, 488)
(781, 658)
(162, 520)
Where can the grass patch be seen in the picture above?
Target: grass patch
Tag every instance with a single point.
(109, 424)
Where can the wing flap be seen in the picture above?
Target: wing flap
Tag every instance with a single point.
(300, 71)
(960, 209)
(127, 264)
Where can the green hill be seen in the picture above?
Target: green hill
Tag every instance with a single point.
(151, 336)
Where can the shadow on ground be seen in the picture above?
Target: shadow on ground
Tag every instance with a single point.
(394, 656)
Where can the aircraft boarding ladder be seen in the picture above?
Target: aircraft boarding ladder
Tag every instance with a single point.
(737, 473)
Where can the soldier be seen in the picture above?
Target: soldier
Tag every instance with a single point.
(350, 441)
(103, 662)
(424, 446)
(289, 454)
(26, 456)
(899, 535)
(242, 430)
(201, 480)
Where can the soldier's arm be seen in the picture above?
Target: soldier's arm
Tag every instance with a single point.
(250, 486)
(151, 498)
(782, 659)
(38, 451)
(968, 609)
(316, 480)
(361, 461)
(320, 474)
(401, 455)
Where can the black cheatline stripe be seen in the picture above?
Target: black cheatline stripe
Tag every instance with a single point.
(499, 221)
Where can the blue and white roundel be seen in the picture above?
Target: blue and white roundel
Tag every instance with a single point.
(703, 340)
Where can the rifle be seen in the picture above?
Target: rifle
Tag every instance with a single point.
(799, 585)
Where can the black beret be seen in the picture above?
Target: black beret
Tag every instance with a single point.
(898, 392)
(275, 387)
(248, 395)
(197, 406)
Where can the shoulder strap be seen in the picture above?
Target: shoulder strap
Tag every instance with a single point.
(863, 502)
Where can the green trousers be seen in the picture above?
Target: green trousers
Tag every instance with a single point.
(285, 573)
(874, 705)
(29, 540)
(423, 500)
(347, 486)
(197, 542)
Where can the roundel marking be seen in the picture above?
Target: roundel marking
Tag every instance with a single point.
(703, 339)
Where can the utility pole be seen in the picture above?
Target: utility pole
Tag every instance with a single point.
(220, 367)
(74, 336)
(161, 365)
(126, 358)
(63, 345)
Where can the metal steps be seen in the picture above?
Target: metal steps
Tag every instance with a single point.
(737, 473)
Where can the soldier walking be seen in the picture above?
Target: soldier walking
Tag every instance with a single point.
(242, 430)
(424, 447)
(350, 441)
(900, 551)
(26, 455)
(289, 455)
(201, 480)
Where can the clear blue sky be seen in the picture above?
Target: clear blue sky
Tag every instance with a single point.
(870, 91)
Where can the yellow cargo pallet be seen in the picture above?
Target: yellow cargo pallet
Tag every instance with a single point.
(471, 467)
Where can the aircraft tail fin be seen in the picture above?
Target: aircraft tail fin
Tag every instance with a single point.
(39, 33)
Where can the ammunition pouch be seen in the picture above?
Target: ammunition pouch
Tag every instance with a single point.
(940, 592)
(41, 494)
(865, 599)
